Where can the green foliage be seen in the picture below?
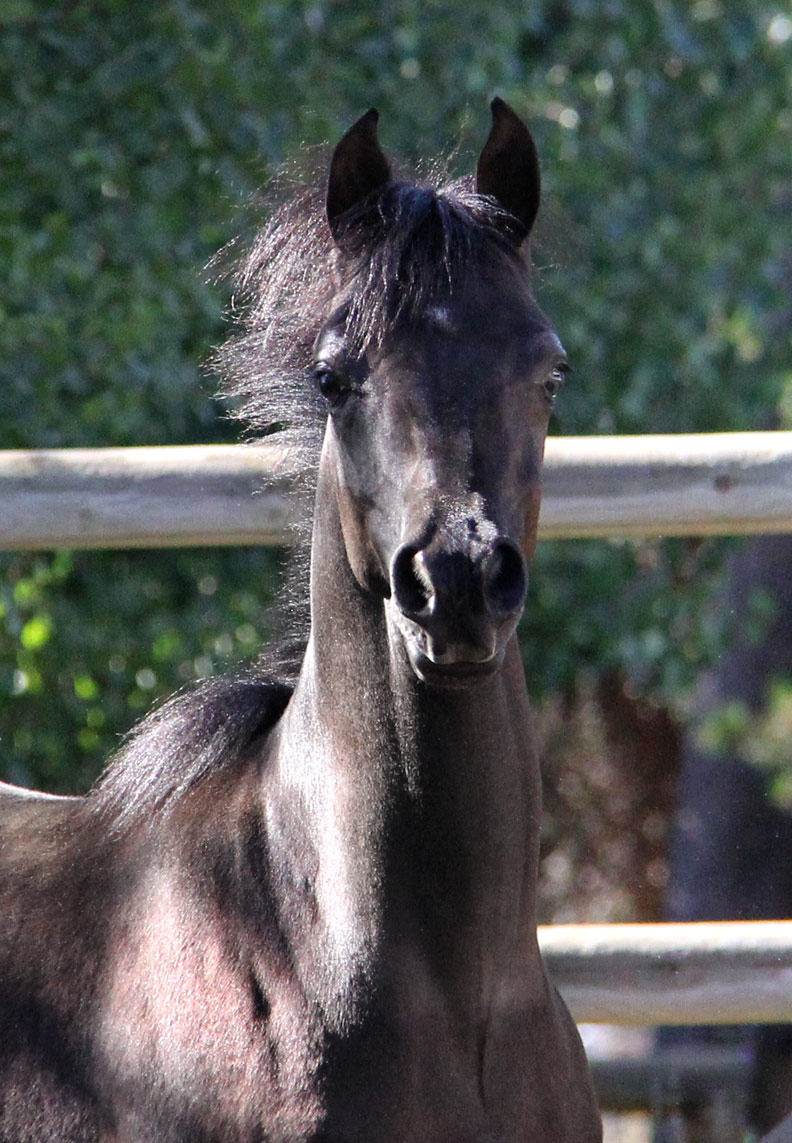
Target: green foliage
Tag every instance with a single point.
(762, 739)
(88, 642)
(670, 158)
(131, 135)
(126, 137)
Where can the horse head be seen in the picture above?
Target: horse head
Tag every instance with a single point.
(439, 373)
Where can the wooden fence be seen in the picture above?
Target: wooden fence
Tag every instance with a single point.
(613, 486)
(709, 484)
(724, 972)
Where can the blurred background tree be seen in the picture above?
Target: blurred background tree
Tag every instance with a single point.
(132, 135)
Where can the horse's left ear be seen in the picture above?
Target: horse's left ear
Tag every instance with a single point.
(357, 169)
(508, 170)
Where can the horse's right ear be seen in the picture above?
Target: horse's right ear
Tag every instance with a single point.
(508, 171)
(357, 169)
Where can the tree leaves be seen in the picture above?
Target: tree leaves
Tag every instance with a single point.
(131, 137)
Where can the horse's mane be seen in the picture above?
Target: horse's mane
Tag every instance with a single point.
(412, 244)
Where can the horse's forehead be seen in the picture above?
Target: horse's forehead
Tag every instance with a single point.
(484, 303)
(515, 331)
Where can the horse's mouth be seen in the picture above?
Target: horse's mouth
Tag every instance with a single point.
(455, 675)
(452, 663)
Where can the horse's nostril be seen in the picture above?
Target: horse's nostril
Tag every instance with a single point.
(505, 579)
(412, 588)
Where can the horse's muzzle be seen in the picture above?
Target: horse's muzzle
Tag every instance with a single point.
(456, 608)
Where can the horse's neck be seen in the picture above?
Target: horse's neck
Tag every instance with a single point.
(473, 827)
(417, 809)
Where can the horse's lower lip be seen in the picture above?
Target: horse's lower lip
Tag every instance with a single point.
(460, 674)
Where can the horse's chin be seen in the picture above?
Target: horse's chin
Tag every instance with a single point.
(458, 675)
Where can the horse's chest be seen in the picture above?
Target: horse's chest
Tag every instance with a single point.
(412, 1070)
(476, 1062)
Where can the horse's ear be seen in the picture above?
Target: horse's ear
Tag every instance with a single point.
(357, 169)
(508, 170)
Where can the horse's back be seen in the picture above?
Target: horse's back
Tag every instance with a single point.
(31, 828)
(19, 806)
(30, 824)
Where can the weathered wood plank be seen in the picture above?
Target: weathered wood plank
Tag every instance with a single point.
(226, 494)
(143, 497)
(730, 972)
(700, 484)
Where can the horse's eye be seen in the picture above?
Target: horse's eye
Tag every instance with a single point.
(332, 385)
(554, 382)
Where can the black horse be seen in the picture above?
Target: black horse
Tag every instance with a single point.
(306, 911)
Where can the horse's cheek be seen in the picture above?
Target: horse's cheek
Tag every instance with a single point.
(340, 502)
(532, 522)
(362, 556)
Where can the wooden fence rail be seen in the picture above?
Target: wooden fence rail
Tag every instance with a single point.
(724, 483)
(725, 972)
